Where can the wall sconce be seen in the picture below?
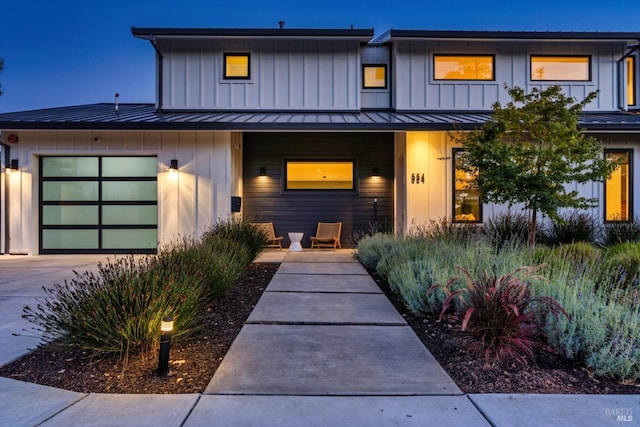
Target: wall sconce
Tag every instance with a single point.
(263, 171)
(173, 165)
(375, 171)
(13, 166)
(166, 329)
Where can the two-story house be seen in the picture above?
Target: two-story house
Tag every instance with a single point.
(302, 125)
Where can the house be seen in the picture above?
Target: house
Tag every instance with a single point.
(297, 126)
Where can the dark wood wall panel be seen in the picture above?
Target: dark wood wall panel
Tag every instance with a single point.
(265, 198)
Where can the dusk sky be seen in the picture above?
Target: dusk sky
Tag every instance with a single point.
(60, 53)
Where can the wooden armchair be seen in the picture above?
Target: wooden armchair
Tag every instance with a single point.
(327, 235)
(267, 228)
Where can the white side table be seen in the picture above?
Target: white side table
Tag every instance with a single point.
(295, 241)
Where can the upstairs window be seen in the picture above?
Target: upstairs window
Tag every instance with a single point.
(467, 206)
(374, 76)
(463, 67)
(631, 80)
(236, 66)
(561, 68)
(617, 188)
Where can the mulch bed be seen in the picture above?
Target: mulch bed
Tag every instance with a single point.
(194, 362)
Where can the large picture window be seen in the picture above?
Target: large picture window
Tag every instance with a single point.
(98, 204)
(463, 67)
(617, 188)
(560, 68)
(467, 206)
(320, 175)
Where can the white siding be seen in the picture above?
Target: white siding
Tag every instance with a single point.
(415, 88)
(207, 176)
(285, 75)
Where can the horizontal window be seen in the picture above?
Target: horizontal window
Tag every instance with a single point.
(236, 66)
(374, 76)
(320, 175)
(554, 68)
(463, 67)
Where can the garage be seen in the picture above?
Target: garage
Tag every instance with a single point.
(98, 204)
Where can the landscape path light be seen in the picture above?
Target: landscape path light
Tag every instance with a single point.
(166, 329)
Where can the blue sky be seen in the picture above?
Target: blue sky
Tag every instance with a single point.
(60, 53)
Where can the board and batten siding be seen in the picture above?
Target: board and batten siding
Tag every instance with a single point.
(266, 200)
(209, 174)
(284, 75)
(415, 89)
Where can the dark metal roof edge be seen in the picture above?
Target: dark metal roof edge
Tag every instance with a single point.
(524, 35)
(253, 32)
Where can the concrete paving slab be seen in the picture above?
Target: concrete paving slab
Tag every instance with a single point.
(16, 336)
(348, 283)
(344, 255)
(329, 360)
(322, 411)
(273, 256)
(323, 308)
(135, 410)
(26, 404)
(322, 268)
(527, 410)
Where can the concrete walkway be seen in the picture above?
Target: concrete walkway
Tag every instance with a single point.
(323, 347)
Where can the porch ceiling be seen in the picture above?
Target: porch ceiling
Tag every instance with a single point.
(146, 117)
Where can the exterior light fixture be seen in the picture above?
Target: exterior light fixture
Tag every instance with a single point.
(375, 171)
(13, 166)
(166, 329)
(263, 171)
(173, 165)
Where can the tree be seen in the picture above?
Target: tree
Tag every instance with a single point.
(530, 149)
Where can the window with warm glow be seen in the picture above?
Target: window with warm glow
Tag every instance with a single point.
(467, 206)
(374, 76)
(559, 68)
(617, 189)
(320, 175)
(463, 67)
(631, 80)
(236, 66)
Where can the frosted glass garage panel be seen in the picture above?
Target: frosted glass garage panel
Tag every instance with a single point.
(59, 191)
(69, 215)
(130, 215)
(130, 191)
(130, 239)
(69, 239)
(129, 166)
(69, 167)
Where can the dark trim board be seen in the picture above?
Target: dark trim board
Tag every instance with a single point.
(265, 198)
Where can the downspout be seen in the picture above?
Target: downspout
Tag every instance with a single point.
(4, 245)
(159, 79)
(630, 52)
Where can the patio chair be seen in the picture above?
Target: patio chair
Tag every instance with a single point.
(327, 235)
(272, 240)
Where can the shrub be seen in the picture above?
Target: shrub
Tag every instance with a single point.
(572, 227)
(446, 230)
(624, 259)
(411, 280)
(119, 308)
(240, 231)
(621, 232)
(372, 249)
(507, 228)
(504, 320)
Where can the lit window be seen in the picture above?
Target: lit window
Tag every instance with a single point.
(631, 81)
(463, 67)
(558, 68)
(320, 175)
(236, 66)
(617, 189)
(374, 76)
(466, 201)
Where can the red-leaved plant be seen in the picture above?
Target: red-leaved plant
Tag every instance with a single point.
(504, 321)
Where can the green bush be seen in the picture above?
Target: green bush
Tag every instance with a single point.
(372, 249)
(621, 232)
(571, 227)
(240, 231)
(411, 280)
(624, 258)
(505, 321)
(444, 229)
(119, 308)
